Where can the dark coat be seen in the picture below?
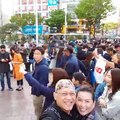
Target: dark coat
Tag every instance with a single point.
(107, 57)
(4, 66)
(54, 112)
(62, 61)
(41, 74)
(72, 65)
(40, 89)
(24, 55)
(93, 115)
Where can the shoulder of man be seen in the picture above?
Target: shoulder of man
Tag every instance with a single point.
(50, 114)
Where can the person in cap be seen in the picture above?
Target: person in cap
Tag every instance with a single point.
(71, 64)
(5, 68)
(64, 97)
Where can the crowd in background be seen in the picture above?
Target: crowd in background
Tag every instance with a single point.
(70, 80)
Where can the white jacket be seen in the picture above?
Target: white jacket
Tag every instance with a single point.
(112, 111)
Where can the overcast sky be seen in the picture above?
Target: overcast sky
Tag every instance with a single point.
(7, 9)
(115, 17)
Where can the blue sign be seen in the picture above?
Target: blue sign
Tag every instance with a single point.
(31, 29)
(52, 2)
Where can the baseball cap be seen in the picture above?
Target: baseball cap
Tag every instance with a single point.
(64, 83)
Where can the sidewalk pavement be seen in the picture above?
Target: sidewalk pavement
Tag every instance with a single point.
(16, 105)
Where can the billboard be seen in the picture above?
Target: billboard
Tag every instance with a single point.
(52, 3)
(31, 29)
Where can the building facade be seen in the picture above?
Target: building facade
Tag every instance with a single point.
(43, 8)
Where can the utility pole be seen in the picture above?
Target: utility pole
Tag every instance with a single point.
(65, 21)
(58, 4)
(36, 19)
(1, 16)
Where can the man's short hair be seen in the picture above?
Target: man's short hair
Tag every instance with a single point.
(69, 48)
(41, 49)
(2, 46)
(79, 76)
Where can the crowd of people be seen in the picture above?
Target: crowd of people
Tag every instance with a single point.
(69, 81)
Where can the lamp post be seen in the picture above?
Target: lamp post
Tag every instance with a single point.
(36, 21)
(65, 21)
(1, 16)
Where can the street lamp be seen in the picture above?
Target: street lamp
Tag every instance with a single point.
(1, 15)
(36, 21)
(65, 21)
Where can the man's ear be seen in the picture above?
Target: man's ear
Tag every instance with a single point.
(55, 95)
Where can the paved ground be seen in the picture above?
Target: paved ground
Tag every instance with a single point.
(16, 105)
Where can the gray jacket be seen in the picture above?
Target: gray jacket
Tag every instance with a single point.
(112, 111)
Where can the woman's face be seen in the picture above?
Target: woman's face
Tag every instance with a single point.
(108, 78)
(84, 103)
(13, 51)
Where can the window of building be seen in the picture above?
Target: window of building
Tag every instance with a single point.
(31, 2)
(39, 8)
(31, 8)
(44, 15)
(24, 8)
(39, 1)
(45, 7)
(18, 2)
(24, 2)
(44, 1)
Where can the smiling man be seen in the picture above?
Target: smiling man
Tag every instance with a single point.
(64, 96)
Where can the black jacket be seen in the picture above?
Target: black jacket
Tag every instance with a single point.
(54, 112)
(93, 115)
(4, 66)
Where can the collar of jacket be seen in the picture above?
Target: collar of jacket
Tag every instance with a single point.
(90, 116)
(60, 110)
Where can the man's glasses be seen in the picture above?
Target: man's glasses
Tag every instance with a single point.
(66, 94)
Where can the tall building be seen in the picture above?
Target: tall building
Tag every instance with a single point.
(69, 6)
(29, 6)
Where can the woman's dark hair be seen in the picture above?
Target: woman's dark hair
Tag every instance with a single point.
(87, 89)
(58, 73)
(14, 48)
(41, 49)
(115, 73)
(45, 46)
(60, 53)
